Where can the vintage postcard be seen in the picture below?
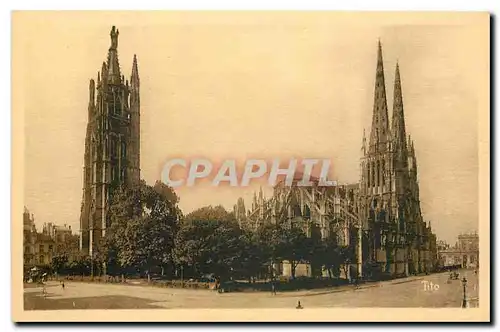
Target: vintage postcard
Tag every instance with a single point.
(251, 166)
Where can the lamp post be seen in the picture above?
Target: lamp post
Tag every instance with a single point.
(465, 302)
(92, 266)
(182, 276)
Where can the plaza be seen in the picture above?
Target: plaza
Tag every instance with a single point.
(412, 292)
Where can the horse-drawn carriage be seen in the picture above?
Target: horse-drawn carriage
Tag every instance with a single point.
(454, 275)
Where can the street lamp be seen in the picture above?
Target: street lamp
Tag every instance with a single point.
(465, 302)
(182, 276)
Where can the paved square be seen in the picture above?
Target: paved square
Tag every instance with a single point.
(409, 293)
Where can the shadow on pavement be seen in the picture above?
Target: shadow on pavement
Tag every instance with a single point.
(35, 301)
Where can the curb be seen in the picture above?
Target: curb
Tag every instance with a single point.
(377, 284)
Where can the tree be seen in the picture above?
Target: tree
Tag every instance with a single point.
(331, 256)
(295, 247)
(80, 265)
(211, 213)
(58, 263)
(66, 250)
(143, 223)
(270, 242)
(252, 260)
(346, 254)
(209, 241)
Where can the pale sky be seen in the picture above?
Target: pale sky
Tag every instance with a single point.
(253, 85)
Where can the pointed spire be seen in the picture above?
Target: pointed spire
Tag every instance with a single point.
(91, 92)
(414, 156)
(91, 99)
(134, 78)
(411, 147)
(363, 144)
(398, 116)
(104, 73)
(380, 122)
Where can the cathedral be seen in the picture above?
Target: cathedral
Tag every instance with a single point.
(112, 143)
(379, 217)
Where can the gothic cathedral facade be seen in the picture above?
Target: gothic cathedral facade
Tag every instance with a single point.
(379, 217)
(112, 143)
(388, 199)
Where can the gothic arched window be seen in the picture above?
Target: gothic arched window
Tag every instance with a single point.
(124, 150)
(373, 174)
(383, 173)
(367, 174)
(113, 146)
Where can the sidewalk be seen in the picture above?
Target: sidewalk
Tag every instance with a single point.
(347, 288)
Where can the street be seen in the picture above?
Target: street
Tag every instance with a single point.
(431, 291)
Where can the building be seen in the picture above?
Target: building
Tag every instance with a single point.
(45, 249)
(465, 253)
(469, 249)
(112, 143)
(63, 239)
(56, 232)
(379, 217)
(29, 237)
(39, 248)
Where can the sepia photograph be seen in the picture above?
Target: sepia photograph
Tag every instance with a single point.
(250, 166)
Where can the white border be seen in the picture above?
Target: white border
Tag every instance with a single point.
(5, 122)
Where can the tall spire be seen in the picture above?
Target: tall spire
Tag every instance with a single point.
(398, 117)
(91, 99)
(363, 146)
(135, 131)
(134, 78)
(380, 121)
(413, 156)
(114, 75)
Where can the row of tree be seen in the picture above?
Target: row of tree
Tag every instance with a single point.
(147, 233)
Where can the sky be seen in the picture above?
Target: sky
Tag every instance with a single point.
(254, 85)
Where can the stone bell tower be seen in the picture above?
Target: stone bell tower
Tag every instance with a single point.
(112, 143)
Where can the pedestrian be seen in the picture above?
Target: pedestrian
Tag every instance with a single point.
(44, 290)
(62, 285)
